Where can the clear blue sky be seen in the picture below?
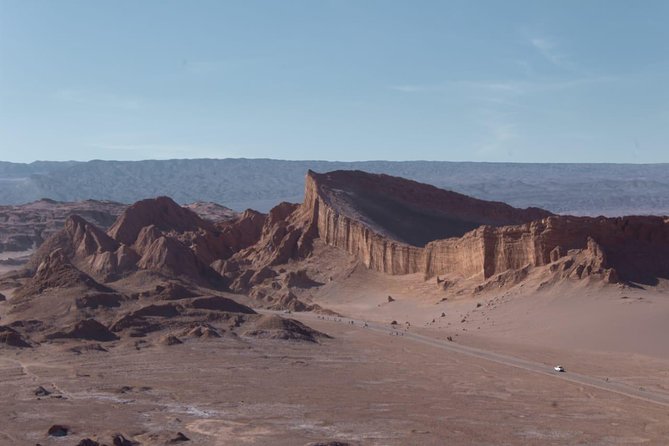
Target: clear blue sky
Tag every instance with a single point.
(527, 81)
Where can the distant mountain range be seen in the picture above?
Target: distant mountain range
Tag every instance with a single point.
(580, 189)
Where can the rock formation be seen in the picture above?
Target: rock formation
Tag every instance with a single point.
(398, 226)
(155, 235)
(88, 329)
(275, 327)
(161, 212)
(27, 226)
(89, 248)
(55, 271)
(162, 268)
(11, 337)
(390, 224)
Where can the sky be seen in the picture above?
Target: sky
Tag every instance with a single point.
(499, 81)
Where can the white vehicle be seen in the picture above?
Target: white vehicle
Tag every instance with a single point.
(558, 368)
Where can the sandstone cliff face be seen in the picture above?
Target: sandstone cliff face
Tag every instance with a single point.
(634, 248)
(341, 223)
(403, 210)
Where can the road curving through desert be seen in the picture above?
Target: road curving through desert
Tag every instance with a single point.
(535, 367)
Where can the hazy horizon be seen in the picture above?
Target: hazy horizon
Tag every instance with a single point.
(324, 160)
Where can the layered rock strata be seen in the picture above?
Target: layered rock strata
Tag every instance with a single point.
(636, 247)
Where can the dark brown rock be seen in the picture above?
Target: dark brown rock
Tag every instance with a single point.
(180, 437)
(41, 391)
(11, 337)
(89, 329)
(58, 430)
(220, 304)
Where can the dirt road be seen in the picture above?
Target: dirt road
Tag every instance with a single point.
(600, 383)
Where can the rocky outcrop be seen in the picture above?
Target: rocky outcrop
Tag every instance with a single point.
(401, 210)
(56, 271)
(632, 246)
(245, 230)
(161, 212)
(358, 212)
(276, 327)
(220, 304)
(387, 221)
(287, 233)
(88, 329)
(11, 337)
(89, 248)
(155, 235)
(172, 258)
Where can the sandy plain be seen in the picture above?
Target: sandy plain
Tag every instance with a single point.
(380, 384)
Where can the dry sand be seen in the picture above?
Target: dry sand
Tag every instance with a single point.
(492, 384)
(364, 386)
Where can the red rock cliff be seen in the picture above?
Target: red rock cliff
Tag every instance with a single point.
(371, 217)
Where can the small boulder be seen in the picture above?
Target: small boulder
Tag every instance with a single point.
(58, 430)
(170, 340)
(179, 438)
(390, 299)
(41, 391)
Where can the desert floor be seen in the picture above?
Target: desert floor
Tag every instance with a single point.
(374, 383)
(365, 386)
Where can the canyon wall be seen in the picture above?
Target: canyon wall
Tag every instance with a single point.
(636, 246)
